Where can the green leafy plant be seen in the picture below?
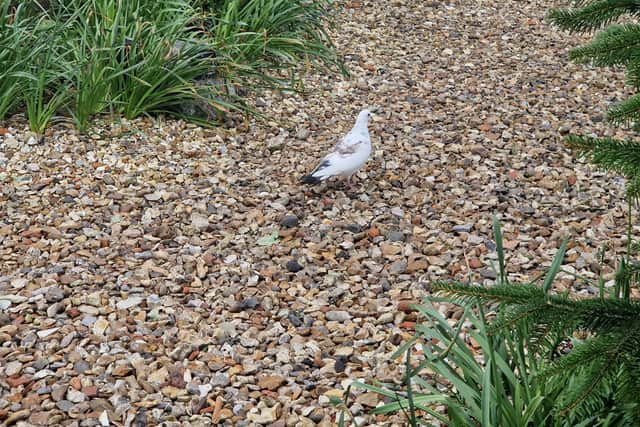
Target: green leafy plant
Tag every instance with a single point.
(601, 372)
(257, 40)
(41, 106)
(514, 374)
(41, 96)
(18, 48)
(190, 59)
(494, 384)
(598, 378)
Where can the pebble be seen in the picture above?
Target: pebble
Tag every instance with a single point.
(129, 303)
(338, 316)
(225, 331)
(19, 282)
(397, 211)
(220, 380)
(100, 326)
(75, 396)
(368, 399)
(12, 368)
(81, 366)
(47, 332)
(289, 221)
(17, 416)
(58, 392)
(462, 228)
(271, 382)
(264, 415)
(64, 405)
(200, 222)
(245, 304)
(395, 236)
(54, 309)
(89, 321)
(398, 267)
(104, 419)
(293, 266)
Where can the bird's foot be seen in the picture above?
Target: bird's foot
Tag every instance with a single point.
(349, 183)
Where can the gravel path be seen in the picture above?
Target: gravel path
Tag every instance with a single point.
(141, 281)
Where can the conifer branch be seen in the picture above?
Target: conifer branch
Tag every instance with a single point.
(618, 44)
(592, 16)
(609, 154)
(625, 112)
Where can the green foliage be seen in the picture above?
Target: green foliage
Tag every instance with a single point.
(138, 57)
(594, 367)
(614, 155)
(614, 45)
(42, 87)
(518, 377)
(617, 45)
(18, 48)
(257, 39)
(499, 385)
(496, 386)
(601, 372)
(590, 15)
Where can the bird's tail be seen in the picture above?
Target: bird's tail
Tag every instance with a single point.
(310, 179)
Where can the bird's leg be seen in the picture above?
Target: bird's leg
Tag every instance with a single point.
(349, 183)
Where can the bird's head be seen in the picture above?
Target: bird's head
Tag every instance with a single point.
(363, 117)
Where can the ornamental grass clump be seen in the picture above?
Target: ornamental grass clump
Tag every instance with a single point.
(190, 59)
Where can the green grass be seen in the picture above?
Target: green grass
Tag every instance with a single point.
(18, 49)
(143, 57)
(266, 41)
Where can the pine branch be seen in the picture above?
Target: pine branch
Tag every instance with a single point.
(597, 348)
(614, 369)
(601, 315)
(633, 73)
(514, 317)
(582, 3)
(593, 377)
(625, 112)
(521, 294)
(629, 385)
(553, 311)
(592, 16)
(610, 154)
(551, 327)
(618, 44)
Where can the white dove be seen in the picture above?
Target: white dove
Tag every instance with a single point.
(347, 156)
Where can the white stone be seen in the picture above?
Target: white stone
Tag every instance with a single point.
(129, 303)
(75, 396)
(19, 283)
(46, 332)
(100, 326)
(12, 368)
(199, 221)
(104, 419)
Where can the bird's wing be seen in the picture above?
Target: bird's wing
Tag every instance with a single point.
(342, 157)
(344, 148)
